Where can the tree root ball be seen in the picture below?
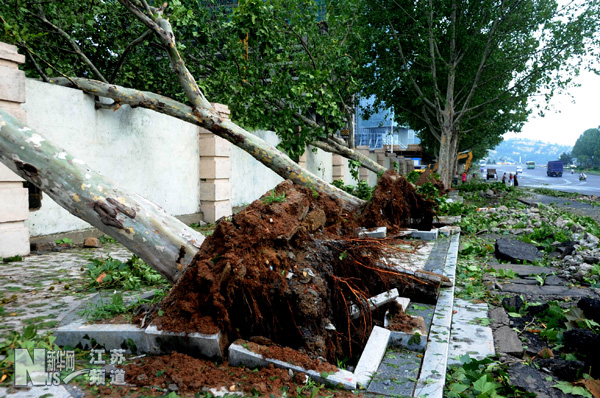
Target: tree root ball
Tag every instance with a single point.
(289, 270)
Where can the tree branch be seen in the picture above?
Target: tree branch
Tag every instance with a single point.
(72, 42)
(126, 52)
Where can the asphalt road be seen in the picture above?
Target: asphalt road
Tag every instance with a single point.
(537, 178)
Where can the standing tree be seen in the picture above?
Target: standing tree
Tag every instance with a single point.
(456, 68)
(587, 148)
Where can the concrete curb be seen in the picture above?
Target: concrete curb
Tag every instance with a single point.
(432, 377)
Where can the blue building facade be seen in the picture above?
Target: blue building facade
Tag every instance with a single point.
(381, 129)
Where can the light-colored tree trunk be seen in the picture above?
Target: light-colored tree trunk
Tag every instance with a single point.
(163, 242)
(205, 117)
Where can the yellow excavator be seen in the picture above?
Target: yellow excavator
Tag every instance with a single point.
(461, 155)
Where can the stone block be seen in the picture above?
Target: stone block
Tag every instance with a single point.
(12, 84)
(415, 340)
(239, 355)
(9, 54)
(507, 341)
(211, 145)
(375, 302)
(212, 211)
(337, 160)
(403, 302)
(106, 335)
(212, 167)
(204, 345)
(14, 202)
(425, 235)
(14, 108)
(338, 172)
(380, 232)
(14, 239)
(371, 356)
(215, 190)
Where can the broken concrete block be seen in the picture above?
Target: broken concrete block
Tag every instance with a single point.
(205, 345)
(375, 302)
(380, 232)
(371, 356)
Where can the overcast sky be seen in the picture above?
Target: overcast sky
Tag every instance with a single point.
(566, 121)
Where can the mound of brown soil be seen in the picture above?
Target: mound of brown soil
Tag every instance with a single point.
(396, 204)
(192, 375)
(289, 267)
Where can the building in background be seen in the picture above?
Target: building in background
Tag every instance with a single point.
(381, 130)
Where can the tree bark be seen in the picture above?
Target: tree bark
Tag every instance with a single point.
(163, 242)
(268, 155)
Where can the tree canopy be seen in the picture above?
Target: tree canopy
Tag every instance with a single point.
(587, 148)
(280, 65)
(461, 72)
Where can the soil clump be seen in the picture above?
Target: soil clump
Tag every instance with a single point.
(187, 376)
(289, 267)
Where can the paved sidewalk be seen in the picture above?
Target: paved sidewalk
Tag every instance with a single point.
(44, 288)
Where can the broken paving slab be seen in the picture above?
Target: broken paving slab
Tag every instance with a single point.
(547, 290)
(371, 356)
(375, 302)
(470, 333)
(515, 250)
(523, 270)
(507, 341)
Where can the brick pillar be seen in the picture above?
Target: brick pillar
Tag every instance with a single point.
(363, 173)
(337, 166)
(402, 166)
(302, 160)
(215, 171)
(380, 152)
(14, 200)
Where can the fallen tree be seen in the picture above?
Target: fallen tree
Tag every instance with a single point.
(162, 241)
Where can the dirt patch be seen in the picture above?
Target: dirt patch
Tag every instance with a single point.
(402, 322)
(289, 269)
(187, 376)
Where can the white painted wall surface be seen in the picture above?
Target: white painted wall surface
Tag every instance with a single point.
(142, 151)
(318, 162)
(250, 179)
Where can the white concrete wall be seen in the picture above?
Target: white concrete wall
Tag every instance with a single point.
(250, 179)
(144, 151)
(318, 162)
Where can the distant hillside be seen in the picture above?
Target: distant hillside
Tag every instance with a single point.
(517, 148)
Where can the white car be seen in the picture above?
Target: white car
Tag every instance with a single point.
(519, 170)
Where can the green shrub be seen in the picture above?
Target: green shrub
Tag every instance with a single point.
(111, 273)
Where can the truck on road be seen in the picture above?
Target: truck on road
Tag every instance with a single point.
(555, 168)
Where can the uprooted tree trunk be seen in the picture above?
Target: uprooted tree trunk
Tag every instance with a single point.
(162, 241)
(262, 151)
(204, 114)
